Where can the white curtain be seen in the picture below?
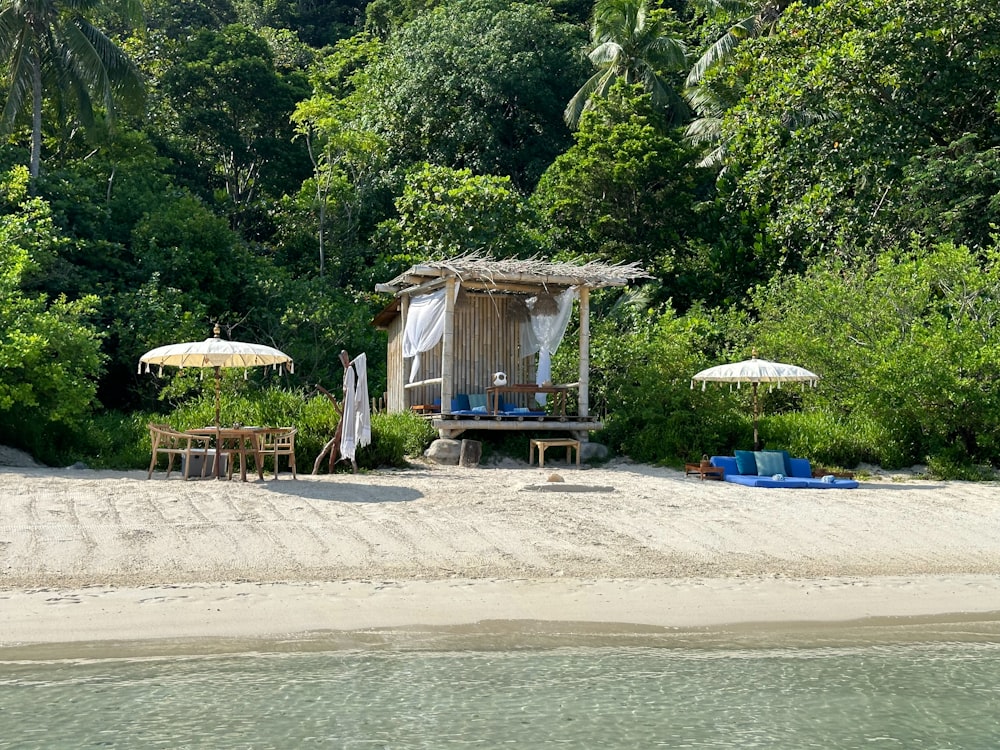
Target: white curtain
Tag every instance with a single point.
(424, 326)
(544, 333)
(357, 430)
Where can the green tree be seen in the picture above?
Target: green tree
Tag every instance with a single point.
(641, 365)
(233, 111)
(851, 117)
(625, 191)
(445, 213)
(475, 84)
(50, 47)
(712, 98)
(195, 251)
(49, 350)
(631, 42)
(346, 157)
(178, 19)
(909, 345)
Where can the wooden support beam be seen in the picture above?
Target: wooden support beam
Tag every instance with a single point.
(448, 347)
(584, 394)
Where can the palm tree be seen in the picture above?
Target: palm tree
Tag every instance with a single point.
(748, 19)
(50, 48)
(631, 43)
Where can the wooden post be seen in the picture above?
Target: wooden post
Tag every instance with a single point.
(472, 451)
(332, 447)
(404, 312)
(584, 393)
(448, 347)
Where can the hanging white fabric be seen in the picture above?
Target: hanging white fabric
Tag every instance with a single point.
(544, 335)
(424, 326)
(357, 418)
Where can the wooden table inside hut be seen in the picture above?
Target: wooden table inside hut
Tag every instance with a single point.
(558, 392)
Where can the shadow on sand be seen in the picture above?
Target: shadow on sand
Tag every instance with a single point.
(341, 492)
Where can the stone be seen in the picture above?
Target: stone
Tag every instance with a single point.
(593, 452)
(444, 451)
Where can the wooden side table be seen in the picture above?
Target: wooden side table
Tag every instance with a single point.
(541, 445)
(705, 472)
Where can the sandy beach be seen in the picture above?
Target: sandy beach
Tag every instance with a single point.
(99, 556)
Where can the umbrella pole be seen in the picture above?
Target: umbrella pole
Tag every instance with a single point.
(756, 438)
(218, 425)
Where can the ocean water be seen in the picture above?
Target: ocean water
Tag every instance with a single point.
(896, 688)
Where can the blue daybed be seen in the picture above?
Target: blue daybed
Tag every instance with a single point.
(775, 469)
(474, 404)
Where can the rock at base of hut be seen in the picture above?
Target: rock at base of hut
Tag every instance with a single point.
(444, 451)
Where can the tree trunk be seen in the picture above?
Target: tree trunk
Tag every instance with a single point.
(36, 119)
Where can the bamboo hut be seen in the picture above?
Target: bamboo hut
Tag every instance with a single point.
(470, 341)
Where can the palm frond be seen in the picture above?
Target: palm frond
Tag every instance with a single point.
(720, 50)
(19, 75)
(703, 130)
(571, 115)
(604, 53)
(669, 52)
(714, 159)
(604, 84)
(101, 68)
(709, 101)
(664, 96)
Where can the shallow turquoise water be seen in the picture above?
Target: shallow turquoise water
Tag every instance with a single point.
(704, 693)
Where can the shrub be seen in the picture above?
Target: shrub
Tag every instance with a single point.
(121, 441)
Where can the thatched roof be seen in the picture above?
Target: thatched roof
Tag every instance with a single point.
(511, 274)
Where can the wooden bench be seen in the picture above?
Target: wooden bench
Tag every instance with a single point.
(541, 445)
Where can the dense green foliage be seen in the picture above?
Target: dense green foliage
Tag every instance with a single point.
(831, 198)
(49, 350)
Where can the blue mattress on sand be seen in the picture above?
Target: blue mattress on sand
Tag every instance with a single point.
(798, 478)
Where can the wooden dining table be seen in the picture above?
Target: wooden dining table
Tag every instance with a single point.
(233, 442)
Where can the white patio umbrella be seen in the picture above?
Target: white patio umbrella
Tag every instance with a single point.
(216, 353)
(755, 371)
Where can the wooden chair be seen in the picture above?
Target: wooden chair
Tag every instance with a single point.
(169, 442)
(277, 442)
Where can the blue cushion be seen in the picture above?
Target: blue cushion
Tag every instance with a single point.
(460, 402)
(746, 463)
(800, 468)
(727, 464)
(769, 463)
(786, 457)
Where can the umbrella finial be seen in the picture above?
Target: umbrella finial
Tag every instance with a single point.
(218, 331)
(753, 352)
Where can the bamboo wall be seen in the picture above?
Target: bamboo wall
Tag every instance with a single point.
(395, 397)
(487, 339)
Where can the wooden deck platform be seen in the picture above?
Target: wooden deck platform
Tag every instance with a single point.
(453, 425)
